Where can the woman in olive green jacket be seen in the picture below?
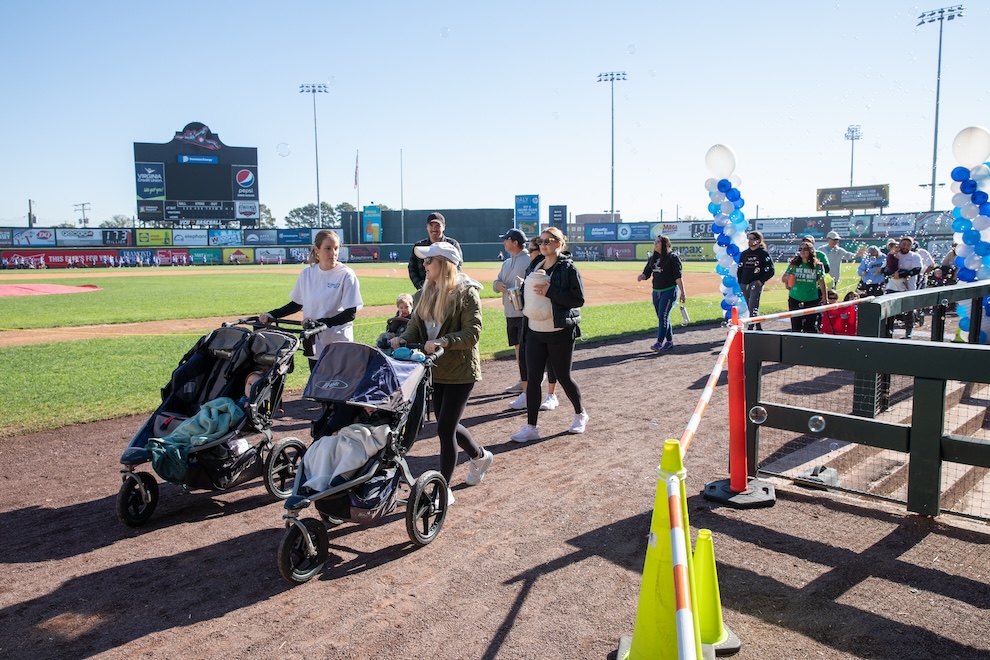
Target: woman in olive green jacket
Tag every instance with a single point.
(448, 315)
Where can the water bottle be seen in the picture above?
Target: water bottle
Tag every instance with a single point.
(685, 319)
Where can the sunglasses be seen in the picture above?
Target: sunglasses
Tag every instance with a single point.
(428, 260)
(804, 249)
(547, 241)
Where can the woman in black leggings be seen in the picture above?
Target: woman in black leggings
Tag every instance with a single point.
(551, 340)
(447, 314)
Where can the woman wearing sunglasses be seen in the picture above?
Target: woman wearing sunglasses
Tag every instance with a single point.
(448, 315)
(755, 270)
(664, 266)
(551, 341)
(804, 279)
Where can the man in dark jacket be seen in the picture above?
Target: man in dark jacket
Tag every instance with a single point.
(435, 225)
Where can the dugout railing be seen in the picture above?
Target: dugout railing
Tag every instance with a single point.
(876, 319)
(924, 439)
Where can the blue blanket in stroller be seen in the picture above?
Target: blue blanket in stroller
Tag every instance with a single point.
(169, 455)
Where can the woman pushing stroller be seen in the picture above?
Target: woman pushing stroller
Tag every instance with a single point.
(448, 316)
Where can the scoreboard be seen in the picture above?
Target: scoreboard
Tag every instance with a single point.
(195, 179)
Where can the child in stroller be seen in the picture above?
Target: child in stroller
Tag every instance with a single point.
(200, 437)
(396, 325)
(374, 408)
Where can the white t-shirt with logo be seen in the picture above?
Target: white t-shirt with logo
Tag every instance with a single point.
(326, 293)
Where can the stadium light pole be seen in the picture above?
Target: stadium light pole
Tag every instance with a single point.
(314, 89)
(940, 15)
(611, 77)
(853, 133)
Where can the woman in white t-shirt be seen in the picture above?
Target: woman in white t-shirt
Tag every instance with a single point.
(328, 292)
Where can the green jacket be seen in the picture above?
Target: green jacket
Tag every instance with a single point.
(461, 360)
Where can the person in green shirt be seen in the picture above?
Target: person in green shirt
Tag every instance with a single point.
(803, 279)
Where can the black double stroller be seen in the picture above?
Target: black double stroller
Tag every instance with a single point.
(212, 430)
(374, 408)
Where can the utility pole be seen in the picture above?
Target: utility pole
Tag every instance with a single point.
(31, 218)
(84, 206)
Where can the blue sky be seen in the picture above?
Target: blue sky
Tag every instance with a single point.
(487, 102)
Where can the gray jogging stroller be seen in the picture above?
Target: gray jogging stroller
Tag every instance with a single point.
(212, 430)
(374, 408)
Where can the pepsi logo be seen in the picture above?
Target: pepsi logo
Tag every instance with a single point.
(245, 178)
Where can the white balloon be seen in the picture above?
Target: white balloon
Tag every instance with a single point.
(735, 181)
(732, 299)
(957, 239)
(711, 185)
(971, 147)
(956, 186)
(728, 207)
(963, 250)
(979, 172)
(733, 268)
(984, 236)
(721, 161)
(729, 230)
(973, 262)
(725, 261)
(981, 222)
(740, 239)
(959, 199)
(718, 197)
(969, 211)
(721, 220)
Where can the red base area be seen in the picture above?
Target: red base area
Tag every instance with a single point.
(43, 289)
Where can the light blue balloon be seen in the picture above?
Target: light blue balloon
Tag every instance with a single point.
(736, 216)
(730, 282)
(964, 324)
(721, 270)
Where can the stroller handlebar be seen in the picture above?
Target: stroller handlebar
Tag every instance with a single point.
(305, 330)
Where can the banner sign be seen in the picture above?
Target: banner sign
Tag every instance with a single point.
(153, 237)
(294, 236)
(34, 237)
(814, 226)
(6, 236)
(675, 231)
(586, 252)
(204, 257)
(238, 255)
(702, 230)
(859, 197)
(78, 237)
(934, 224)
(313, 232)
(894, 226)
(299, 255)
(639, 231)
(616, 251)
(131, 257)
(260, 237)
(361, 253)
(225, 237)
(150, 179)
(190, 237)
(695, 251)
(774, 228)
(269, 255)
(558, 217)
(372, 224)
(528, 211)
(117, 236)
(600, 232)
(61, 258)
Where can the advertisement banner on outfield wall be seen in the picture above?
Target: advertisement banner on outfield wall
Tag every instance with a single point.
(293, 236)
(153, 237)
(894, 226)
(637, 231)
(6, 236)
(61, 258)
(773, 228)
(934, 224)
(620, 251)
(260, 237)
(314, 232)
(238, 255)
(298, 255)
(205, 256)
(190, 237)
(813, 226)
(694, 251)
(859, 226)
(269, 255)
(78, 237)
(586, 251)
(224, 237)
(604, 232)
(362, 253)
(675, 231)
(132, 257)
(34, 237)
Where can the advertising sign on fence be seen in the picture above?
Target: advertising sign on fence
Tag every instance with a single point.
(894, 225)
(153, 237)
(78, 237)
(190, 237)
(604, 232)
(219, 237)
(773, 228)
(34, 237)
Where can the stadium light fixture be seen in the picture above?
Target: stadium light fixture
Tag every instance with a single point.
(610, 77)
(853, 133)
(941, 15)
(314, 89)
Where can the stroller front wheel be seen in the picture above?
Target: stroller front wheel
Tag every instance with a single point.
(297, 561)
(282, 465)
(427, 507)
(133, 508)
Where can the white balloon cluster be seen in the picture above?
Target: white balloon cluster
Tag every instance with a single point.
(728, 224)
(971, 216)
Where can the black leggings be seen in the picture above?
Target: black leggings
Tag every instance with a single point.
(551, 348)
(449, 402)
(523, 370)
(809, 323)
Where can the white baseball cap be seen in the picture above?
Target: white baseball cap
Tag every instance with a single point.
(439, 249)
(833, 234)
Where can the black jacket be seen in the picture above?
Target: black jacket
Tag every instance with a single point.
(417, 271)
(566, 291)
(665, 272)
(755, 265)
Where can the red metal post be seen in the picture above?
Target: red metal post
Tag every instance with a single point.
(738, 478)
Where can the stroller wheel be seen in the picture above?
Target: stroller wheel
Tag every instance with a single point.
(426, 508)
(281, 467)
(294, 560)
(131, 507)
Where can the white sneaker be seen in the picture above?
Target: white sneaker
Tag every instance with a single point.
(477, 469)
(515, 389)
(519, 403)
(580, 421)
(528, 432)
(550, 402)
(450, 497)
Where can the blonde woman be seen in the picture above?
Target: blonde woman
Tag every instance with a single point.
(551, 341)
(448, 315)
(327, 291)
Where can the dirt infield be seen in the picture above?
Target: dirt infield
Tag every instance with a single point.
(601, 287)
(542, 560)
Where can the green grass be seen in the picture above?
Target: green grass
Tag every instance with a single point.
(46, 386)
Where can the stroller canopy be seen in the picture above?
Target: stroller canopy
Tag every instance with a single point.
(362, 375)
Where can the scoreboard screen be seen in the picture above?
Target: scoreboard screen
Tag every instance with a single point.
(196, 179)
